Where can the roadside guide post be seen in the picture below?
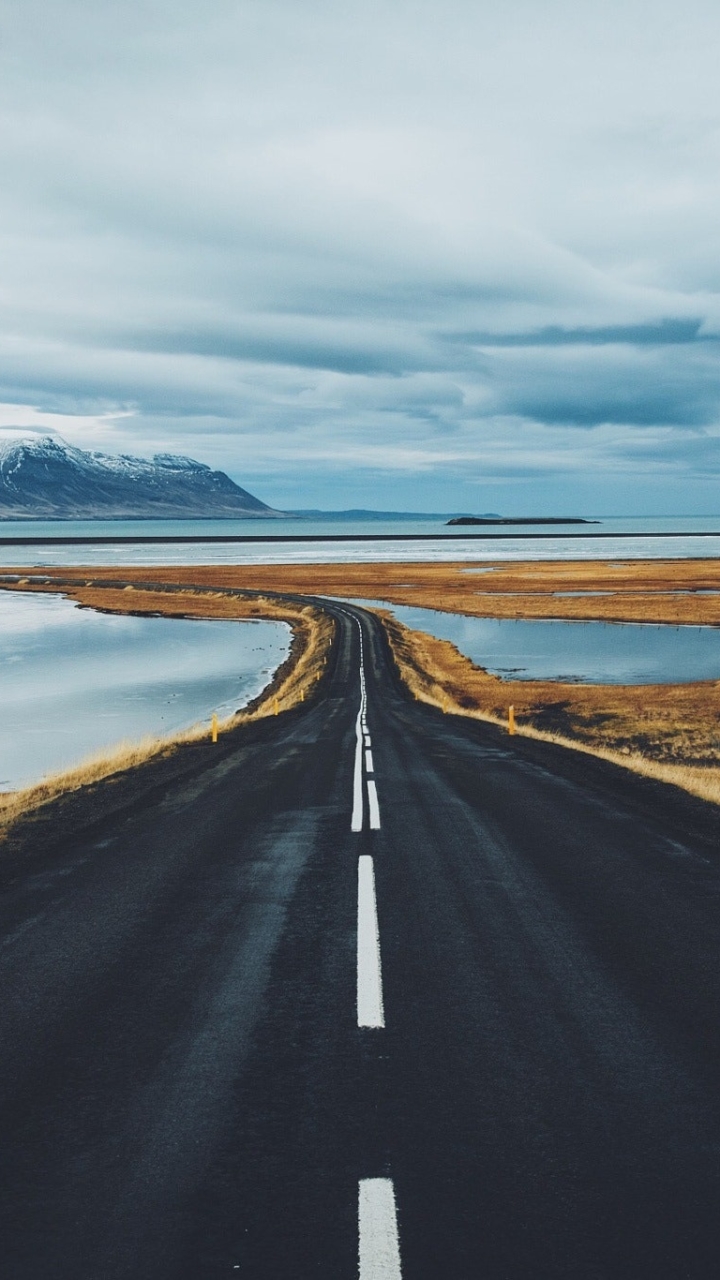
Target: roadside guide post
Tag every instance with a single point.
(511, 719)
(214, 726)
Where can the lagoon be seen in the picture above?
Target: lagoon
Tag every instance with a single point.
(74, 682)
(588, 652)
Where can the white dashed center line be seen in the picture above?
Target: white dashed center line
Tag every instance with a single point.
(370, 1011)
(378, 1241)
(373, 805)
(363, 741)
(356, 823)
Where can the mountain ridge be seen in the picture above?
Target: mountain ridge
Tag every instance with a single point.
(44, 477)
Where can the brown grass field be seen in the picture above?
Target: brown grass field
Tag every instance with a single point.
(669, 731)
(668, 591)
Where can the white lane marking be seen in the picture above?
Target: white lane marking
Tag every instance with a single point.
(370, 1011)
(358, 811)
(378, 1241)
(358, 807)
(362, 739)
(373, 805)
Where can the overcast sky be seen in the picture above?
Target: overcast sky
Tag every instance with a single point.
(429, 255)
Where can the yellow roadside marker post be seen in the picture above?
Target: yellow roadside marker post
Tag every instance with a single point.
(511, 719)
(214, 726)
(276, 707)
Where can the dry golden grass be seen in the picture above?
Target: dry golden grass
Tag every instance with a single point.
(667, 732)
(312, 634)
(637, 590)
(663, 730)
(103, 764)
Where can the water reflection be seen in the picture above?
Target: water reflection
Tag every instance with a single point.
(594, 652)
(74, 681)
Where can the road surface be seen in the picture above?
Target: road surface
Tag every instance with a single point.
(368, 991)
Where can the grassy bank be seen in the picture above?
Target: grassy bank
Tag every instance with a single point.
(668, 732)
(294, 681)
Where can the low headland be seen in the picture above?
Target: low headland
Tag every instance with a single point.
(666, 731)
(520, 520)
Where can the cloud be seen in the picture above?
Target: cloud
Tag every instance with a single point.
(660, 333)
(620, 383)
(408, 248)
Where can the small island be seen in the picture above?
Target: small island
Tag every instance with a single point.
(519, 520)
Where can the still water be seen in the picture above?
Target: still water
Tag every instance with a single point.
(593, 652)
(630, 539)
(73, 682)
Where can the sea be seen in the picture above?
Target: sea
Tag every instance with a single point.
(338, 540)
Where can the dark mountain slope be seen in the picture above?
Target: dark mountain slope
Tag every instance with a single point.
(43, 477)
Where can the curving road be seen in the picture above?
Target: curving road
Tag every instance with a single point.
(367, 991)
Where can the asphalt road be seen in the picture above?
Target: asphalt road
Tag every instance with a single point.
(444, 1004)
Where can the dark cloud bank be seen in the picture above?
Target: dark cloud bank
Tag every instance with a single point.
(422, 255)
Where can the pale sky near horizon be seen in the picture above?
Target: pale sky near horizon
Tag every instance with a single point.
(410, 255)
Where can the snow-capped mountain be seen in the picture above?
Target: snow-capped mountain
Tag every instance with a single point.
(42, 477)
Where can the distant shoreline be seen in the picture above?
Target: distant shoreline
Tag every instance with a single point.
(214, 538)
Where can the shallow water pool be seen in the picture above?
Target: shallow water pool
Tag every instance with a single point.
(74, 682)
(591, 652)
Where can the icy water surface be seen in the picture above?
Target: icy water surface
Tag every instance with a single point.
(73, 681)
(593, 652)
(393, 540)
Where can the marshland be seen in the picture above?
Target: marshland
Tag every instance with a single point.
(668, 728)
